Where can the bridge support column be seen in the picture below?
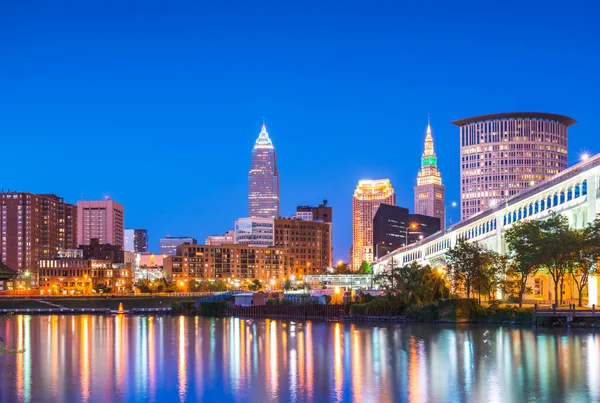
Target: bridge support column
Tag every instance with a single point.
(593, 291)
(592, 190)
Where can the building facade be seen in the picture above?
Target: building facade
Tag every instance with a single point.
(80, 276)
(136, 240)
(394, 227)
(255, 231)
(101, 219)
(322, 212)
(429, 192)
(226, 238)
(506, 153)
(35, 226)
(367, 198)
(169, 244)
(228, 263)
(128, 236)
(307, 242)
(263, 179)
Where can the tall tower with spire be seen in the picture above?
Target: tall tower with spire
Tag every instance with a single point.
(263, 178)
(429, 192)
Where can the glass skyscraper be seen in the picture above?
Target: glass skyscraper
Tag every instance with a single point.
(263, 179)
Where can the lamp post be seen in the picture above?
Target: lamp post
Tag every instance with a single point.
(413, 226)
(453, 204)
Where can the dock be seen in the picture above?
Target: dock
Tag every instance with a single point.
(569, 314)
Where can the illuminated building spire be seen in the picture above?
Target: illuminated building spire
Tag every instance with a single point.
(429, 192)
(263, 140)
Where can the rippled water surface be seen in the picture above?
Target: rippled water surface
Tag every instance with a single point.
(183, 359)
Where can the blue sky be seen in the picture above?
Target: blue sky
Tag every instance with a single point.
(157, 104)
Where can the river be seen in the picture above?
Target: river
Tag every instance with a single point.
(191, 359)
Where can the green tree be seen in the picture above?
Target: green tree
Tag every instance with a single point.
(588, 245)
(365, 268)
(342, 268)
(415, 284)
(493, 275)
(525, 248)
(103, 289)
(466, 262)
(286, 285)
(559, 246)
(255, 285)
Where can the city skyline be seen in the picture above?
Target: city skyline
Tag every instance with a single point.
(375, 87)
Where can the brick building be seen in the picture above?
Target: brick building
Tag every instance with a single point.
(35, 226)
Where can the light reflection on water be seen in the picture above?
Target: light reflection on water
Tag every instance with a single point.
(168, 359)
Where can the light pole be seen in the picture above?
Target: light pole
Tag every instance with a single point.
(453, 204)
(413, 226)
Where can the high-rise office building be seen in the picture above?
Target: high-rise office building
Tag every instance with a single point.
(503, 154)
(394, 227)
(35, 226)
(368, 196)
(169, 244)
(254, 231)
(263, 179)
(321, 212)
(140, 240)
(429, 192)
(101, 219)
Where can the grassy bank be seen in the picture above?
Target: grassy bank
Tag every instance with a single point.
(112, 302)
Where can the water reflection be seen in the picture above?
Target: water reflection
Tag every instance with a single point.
(158, 359)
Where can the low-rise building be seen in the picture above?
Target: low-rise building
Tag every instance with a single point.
(70, 274)
(227, 238)
(207, 262)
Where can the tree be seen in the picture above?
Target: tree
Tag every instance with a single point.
(417, 285)
(365, 268)
(524, 243)
(466, 261)
(286, 285)
(255, 285)
(103, 289)
(559, 250)
(342, 268)
(588, 244)
(493, 274)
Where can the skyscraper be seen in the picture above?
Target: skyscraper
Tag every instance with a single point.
(429, 192)
(136, 240)
(35, 226)
(263, 179)
(101, 219)
(368, 196)
(505, 153)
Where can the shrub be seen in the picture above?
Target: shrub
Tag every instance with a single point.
(426, 313)
(358, 309)
(215, 309)
(183, 307)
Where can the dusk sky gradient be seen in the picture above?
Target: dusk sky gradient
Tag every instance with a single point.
(158, 104)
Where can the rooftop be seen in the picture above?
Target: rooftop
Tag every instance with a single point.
(517, 115)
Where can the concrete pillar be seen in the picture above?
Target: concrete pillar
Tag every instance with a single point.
(592, 189)
(593, 291)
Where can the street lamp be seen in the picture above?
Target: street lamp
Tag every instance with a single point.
(453, 204)
(412, 226)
